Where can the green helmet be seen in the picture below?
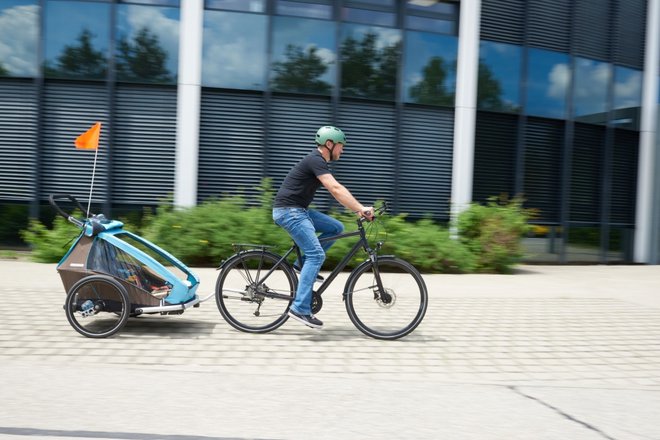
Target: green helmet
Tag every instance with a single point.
(330, 133)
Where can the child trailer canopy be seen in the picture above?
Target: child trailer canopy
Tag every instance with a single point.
(110, 274)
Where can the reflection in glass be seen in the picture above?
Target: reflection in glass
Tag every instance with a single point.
(369, 57)
(234, 50)
(303, 56)
(583, 244)
(627, 87)
(499, 77)
(376, 18)
(549, 75)
(237, 5)
(440, 8)
(592, 79)
(627, 98)
(19, 24)
(76, 39)
(148, 44)
(429, 69)
(431, 24)
(309, 10)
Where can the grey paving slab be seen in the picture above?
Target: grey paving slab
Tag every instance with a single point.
(553, 352)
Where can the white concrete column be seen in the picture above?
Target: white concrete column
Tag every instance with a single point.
(647, 138)
(189, 87)
(466, 106)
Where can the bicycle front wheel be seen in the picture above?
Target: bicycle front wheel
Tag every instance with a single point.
(393, 311)
(253, 292)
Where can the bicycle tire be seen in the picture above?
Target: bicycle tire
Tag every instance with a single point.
(250, 309)
(389, 316)
(110, 309)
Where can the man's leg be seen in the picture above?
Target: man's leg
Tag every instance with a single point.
(327, 226)
(297, 223)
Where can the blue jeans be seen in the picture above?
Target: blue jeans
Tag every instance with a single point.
(303, 225)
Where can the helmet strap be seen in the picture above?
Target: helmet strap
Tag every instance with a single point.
(330, 149)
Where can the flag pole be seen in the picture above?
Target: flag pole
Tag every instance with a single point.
(91, 188)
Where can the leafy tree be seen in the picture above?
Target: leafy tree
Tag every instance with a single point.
(3, 70)
(431, 89)
(300, 72)
(143, 59)
(368, 72)
(81, 60)
(489, 91)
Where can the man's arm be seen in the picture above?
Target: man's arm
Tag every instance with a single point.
(343, 195)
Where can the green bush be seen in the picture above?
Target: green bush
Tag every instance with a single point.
(493, 233)
(489, 235)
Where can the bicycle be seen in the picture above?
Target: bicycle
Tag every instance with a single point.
(385, 296)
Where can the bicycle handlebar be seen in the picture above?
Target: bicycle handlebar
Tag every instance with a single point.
(60, 211)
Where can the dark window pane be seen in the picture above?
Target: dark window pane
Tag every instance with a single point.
(592, 80)
(237, 5)
(441, 8)
(77, 39)
(309, 10)
(173, 3)
(369, 57)
(234, 54)
(429, 72)
(19, 25)
(382, 3)
(499, 77)
(148, 45)
(369, 17)
(430, 24)
(548, 78)
(304, 58)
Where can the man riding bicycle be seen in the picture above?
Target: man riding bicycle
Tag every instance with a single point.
(291, 212)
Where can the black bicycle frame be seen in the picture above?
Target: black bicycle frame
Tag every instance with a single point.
(362, 243)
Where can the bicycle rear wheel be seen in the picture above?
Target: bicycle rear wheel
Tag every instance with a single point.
(247, 301)
(396, 310)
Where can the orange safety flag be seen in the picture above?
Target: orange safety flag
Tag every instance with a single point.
(89, 140)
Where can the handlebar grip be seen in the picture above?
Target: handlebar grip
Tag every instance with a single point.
(60, 211)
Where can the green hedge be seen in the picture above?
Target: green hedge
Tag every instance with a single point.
(488, 236)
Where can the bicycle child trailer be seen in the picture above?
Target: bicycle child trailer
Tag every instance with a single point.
(110, 274)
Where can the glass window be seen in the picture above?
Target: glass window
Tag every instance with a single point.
(368, 16)
(237, 5)
(429, 69)
(627, 87)
(430, 24)
(383, 3)
(499, 77)
(234, 51)
(174, 3)
(304, 58)
(309, 10)
(592, 79)
(548, 78)
(148, 44)
(369, 56)
(77, 39)
(431, 6)
(19, 25)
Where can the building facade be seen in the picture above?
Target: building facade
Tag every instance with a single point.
(443, 103)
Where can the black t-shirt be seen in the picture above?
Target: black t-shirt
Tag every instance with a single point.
(300, 185)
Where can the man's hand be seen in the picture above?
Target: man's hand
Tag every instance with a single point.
(367, 212)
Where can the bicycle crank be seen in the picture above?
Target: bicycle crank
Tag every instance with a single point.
(317, 303)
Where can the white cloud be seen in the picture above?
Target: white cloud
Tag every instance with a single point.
(233, 58)
(18, 40)
(558, 78)
(628, 91)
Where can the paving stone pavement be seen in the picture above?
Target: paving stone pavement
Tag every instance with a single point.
(552, 352)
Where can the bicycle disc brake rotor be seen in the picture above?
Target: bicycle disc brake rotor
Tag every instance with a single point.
(386, 299)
